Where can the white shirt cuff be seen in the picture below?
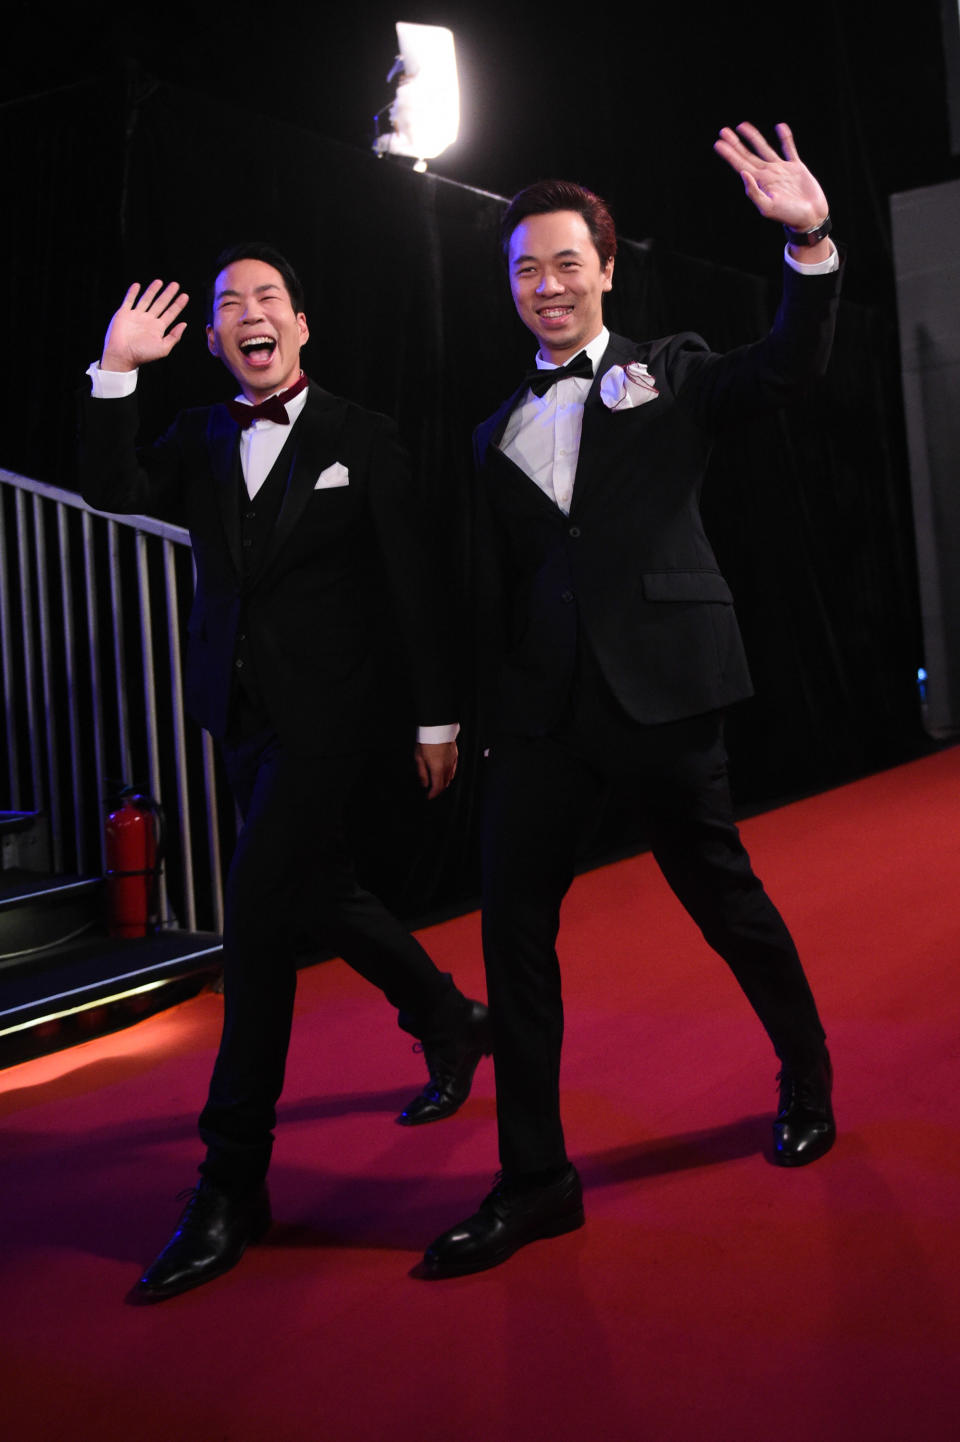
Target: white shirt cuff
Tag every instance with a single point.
(819, 267)
(111, 385)
(437, 735)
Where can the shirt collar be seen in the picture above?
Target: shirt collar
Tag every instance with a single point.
(594, 350)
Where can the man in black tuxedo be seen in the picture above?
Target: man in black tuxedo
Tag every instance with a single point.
(313, 614)
(613, 648)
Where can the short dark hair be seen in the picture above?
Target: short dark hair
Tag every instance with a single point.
(256, 250)
(545, 196)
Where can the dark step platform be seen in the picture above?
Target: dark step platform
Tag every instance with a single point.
(24, 841)
(87, 987)
(39, 912)
(13, 822)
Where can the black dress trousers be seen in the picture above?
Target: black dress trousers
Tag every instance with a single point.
(292, 877)
(540, 793)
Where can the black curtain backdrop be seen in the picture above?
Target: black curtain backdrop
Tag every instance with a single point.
(409, 313)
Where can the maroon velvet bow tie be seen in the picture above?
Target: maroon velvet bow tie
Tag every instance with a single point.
(272, 409)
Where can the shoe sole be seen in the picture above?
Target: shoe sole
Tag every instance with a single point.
(437, 1273)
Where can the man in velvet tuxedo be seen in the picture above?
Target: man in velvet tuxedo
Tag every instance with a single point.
(612, 649)
(313, 615)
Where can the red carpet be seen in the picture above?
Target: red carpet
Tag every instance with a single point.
(710, 1296)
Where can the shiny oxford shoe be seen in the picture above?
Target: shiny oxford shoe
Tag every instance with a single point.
(804, 1128)
(514, 1214)
(212, 1235)
(451, 1063)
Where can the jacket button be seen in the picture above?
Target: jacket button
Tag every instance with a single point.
(238, 663)
(574, 531)
(566, 596)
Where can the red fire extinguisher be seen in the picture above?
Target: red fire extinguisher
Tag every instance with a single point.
(134, 848)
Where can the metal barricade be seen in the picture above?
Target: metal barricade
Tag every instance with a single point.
(90, 611)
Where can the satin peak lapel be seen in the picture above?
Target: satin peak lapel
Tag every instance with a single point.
(490, 432)
(492, 461)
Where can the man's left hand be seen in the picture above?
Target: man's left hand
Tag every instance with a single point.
(780, 186)
(436, 764)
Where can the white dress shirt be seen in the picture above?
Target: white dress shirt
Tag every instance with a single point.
(542, 435)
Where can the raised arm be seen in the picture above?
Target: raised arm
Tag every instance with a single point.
(114, 476)
(780, 186)
(145, 328)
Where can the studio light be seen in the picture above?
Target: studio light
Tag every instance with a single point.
(425, 112)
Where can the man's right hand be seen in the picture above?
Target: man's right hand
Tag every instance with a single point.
(143, 329)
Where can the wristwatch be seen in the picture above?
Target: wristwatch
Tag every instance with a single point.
(808, 237)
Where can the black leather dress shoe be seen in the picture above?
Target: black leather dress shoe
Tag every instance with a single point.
(514, 1214)
(804, 1127)
(451, 1063)
(213, 1232)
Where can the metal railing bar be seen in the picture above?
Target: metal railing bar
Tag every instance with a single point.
(213, 829)
(29, 652)
(93, 651)
(46, 673)
(73, 709)
(179, 735)
(6, 646)
(119, 658)
(150, 697)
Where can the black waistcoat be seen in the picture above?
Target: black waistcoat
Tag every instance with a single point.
(258, 517)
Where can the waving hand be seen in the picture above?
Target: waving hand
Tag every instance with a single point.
(780, 186)
(144, 328)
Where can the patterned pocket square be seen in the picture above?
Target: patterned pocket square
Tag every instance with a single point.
(335, 475)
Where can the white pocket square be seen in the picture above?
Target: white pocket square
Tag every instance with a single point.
(624, 387)
(335, 475)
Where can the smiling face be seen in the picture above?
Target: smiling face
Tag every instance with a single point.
(255, 330)
(557, 282)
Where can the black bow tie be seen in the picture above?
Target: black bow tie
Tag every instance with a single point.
(274, 408)
(541, 381)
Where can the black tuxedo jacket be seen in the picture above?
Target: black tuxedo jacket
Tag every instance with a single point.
(630, 569)
(341, 611)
